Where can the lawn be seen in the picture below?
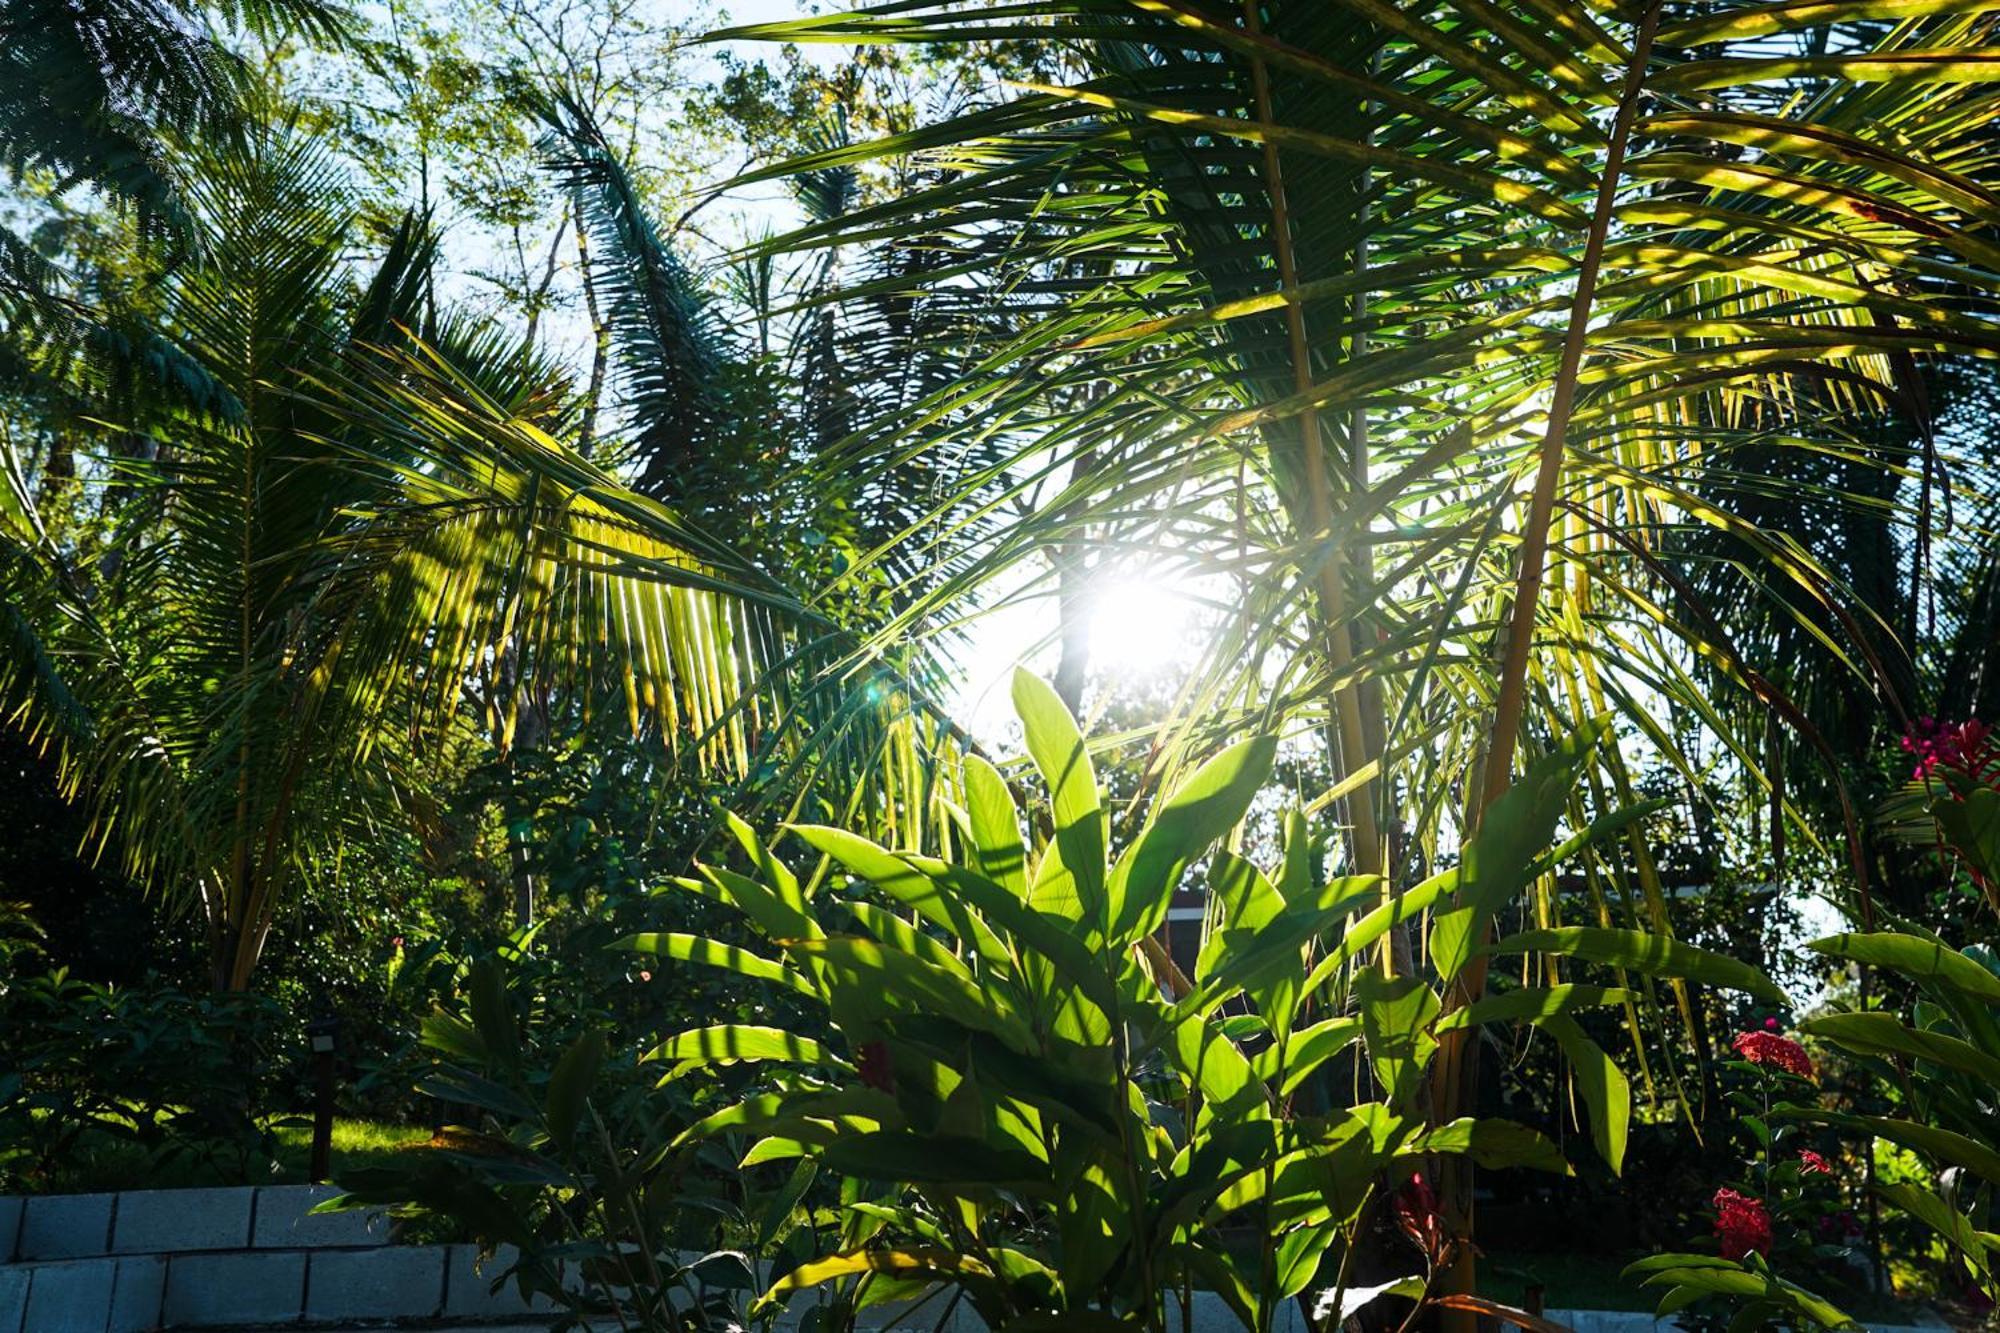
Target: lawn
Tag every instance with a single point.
(103, 1162)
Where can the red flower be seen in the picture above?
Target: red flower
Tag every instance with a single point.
(1770, 1025)
(396, 943)
(1768, 1048)
(1416, 1210)
(1966, 747)
(1741, 1224)
(871, 1060)
(1811, 1162)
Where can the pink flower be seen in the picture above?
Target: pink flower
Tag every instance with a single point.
(396, 943)
(1768, 1048)
(1770, 1025)
(1741, 1224)
(645, 976)
(1966, 748)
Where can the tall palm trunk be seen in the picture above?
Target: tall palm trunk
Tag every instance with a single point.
(1349, 734)
(1455, 1070)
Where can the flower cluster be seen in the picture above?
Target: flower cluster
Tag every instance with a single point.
(1966, 748)
(1811, 1163)
(1741, 1224)
(1768, 1048)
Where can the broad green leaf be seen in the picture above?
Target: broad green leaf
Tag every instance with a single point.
(1605, 1089)
(1396, 1018)
(1639, 951)
(714, 953)
(996, 827)
(1941, 1217)
(873, 982)
(570, 1084)
(493, 1015)
(942, 1265)
(1059, 753)
(1943, 1145)
(1914, 956)
(904, 1157)
(774, 914)
(1495, 1144)
(1883, 1034)
(1201, 810)
(1306, 1051)
(1498, 860)
(727, 1043)
(1531, 1002)
(910, 881)
(1093, 1219)
(1971, 824)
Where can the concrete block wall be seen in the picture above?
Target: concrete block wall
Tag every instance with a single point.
(144, 1260)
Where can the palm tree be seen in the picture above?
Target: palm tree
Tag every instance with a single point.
(93, 93)
(385, 523)
(1424, 330)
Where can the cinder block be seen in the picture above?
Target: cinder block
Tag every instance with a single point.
(11, 1206)
(169, 1221)
(468, 1286)
(66, 1226)
(252, 1288)
(392, 1282)
(138, 1294)
(72, 1297)
(285, 1220)
(13, 1298)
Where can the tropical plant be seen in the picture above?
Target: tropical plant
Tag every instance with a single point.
(560, 1170)
(180, 1078)
(1418, 330)
(1779, 1223)
(1941, 1055)
(1034, 1104)
(371, 525)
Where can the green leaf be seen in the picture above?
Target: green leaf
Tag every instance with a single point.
(785, 1202)
(493, 1015)
(1639, 951)
(713, 953)
(903, 1157)
(1940, 1144)
(1396, 1018)
(996, 827)
(1884, 1034)
(1605, 1089)
(936, 1264)
(570, 1084)
(1498, 860)
(1533, 1002)
(1059, 753)
(1495, 1145)
(1971, 823)
(1948, 1222)
(1201, 810)
(1914, 956)
(727, 1043)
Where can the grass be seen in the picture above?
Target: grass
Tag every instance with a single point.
(104, 1162)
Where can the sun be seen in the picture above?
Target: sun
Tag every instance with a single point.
(1142, 622)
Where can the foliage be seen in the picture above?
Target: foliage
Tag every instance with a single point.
(1034, 1105)
(182, 1078)
(564, 1166)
